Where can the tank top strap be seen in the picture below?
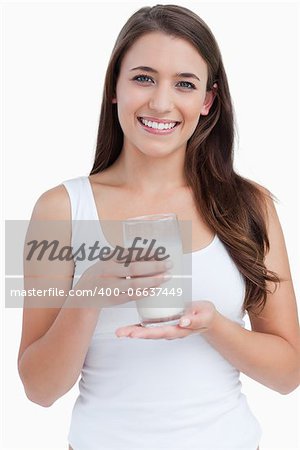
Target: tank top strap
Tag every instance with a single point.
(82, 201)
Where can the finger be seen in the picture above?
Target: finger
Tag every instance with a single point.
(138, 254)
(192, 321)
(142, 282)
(141, 268)
(126, 331)
(160, 332)
(134, 289)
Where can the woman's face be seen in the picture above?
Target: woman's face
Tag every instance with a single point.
(161, 94)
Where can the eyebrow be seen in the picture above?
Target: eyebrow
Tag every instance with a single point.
(181, 74)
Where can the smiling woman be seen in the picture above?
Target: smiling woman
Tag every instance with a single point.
(165, 145)
(159, 96)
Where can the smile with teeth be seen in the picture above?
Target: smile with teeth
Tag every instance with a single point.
(157, 125)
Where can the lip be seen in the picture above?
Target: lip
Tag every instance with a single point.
(155, 130)
(155, 119)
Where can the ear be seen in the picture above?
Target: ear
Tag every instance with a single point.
(209, 99)
(114, 100)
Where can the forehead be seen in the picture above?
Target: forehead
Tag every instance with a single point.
(164, 53)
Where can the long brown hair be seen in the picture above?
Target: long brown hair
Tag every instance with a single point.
(231, 205)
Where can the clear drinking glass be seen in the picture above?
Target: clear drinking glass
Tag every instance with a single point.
(166, 303)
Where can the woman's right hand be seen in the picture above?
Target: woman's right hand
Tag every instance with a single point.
(109, 282)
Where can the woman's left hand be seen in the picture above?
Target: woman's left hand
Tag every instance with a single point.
(198, 318)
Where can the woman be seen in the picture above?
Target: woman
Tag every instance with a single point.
(165, 145)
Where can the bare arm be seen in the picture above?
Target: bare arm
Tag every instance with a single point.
(50, 366)
(267, 358)
(54, 340)
(270, 353)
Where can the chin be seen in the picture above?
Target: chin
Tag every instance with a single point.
(159, 153)
(156, 151)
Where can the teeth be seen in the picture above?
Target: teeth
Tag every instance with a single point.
(158, 125)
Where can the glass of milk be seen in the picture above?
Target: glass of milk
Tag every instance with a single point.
(159, 233)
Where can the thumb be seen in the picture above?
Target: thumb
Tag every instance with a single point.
(194, 322)
(185, 322)
(198, 316)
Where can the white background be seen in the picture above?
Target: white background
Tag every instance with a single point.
(54, 59)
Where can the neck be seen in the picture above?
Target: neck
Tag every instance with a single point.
(151, 174)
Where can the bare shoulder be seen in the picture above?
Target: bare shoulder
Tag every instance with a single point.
(276, 258)
(280, 315)
(53, 204)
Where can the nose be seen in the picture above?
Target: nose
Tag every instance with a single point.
(161, 99)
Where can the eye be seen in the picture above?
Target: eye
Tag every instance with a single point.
(142, 78)
(187, 85)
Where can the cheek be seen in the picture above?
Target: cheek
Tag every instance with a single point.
(129, 106)
(191, 108)
(125, 110)
(130, 97)
(192, 115)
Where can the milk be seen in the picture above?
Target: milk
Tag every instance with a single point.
(165, 306)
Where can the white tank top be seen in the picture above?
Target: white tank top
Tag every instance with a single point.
(161, 394)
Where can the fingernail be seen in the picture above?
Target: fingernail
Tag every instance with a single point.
(185, 322)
